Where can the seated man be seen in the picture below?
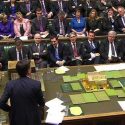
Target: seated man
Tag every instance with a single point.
(74, 51)
(56, 52)
(19, 52)
(28, 8)
(90, 51)
(61, 25)
(111, 49)
(40, 24)
(39, 51)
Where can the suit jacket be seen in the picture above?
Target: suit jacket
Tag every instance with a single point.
(70, 50)
(8, 8)
(3, 59)
(104, 50)
(72, 6)
(56, 7)
(25, 98)
(42, 53)
(12, 54)
(86, 49)
(119, 24)
(48, 5)
(61, 51)
(33, 7)
(108, 22)
(26, 27)
(56, 27)
(36, 27)
(116, 3)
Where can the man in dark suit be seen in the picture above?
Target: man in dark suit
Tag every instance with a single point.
(3, 61)
(120, 20)
(72, 5)
(26, 98)
(56, 52)
(19, 52)
(39, 51)
(74, 51)
(28, 8)
(117, 3)
(90, 51)
(46, 7)
(61, 25)
(60, 5)
(111, 49)
(39, 24)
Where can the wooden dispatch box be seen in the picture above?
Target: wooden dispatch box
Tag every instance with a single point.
(12, 67)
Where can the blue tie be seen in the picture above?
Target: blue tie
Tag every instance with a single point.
(56, 53)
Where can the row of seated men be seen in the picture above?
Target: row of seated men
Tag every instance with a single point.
(70, 54)
(60, 25)
(51, 8)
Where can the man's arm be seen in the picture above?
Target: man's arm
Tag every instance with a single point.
(4, 98)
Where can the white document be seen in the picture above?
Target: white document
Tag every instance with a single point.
(122, 104)
(23, 38)
(55, 118)
(110, 67)
(63, 68)
(44, 35)
(56, 109)
(54, 102)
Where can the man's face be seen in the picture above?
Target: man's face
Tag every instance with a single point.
(73, 38)
(38, 14)
(54, 42)
(121, 11)
(19, 47)
(91, 36)
(111, 37)
(37, 38)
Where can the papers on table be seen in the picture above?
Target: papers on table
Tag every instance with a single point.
(122, 104)
(55, 112)
(120, 66)
(23, 38)
(61, 70)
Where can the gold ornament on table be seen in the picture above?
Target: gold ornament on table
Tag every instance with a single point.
(95, 81)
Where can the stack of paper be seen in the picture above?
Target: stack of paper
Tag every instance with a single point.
(119, 66)
(61, 70)
(55, 112)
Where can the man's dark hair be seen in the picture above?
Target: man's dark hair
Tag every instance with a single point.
(54, 36)
(91, 31)
(18, 42)
(22, 67)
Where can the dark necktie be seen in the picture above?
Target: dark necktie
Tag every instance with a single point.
(20, 55)
(56, 53)
(28, 7)
(112, 49)
(92, 46)
(37, 48)
(62, 31)
(75, 2)
(60, 5)
(22, 30)
(75, 50)
(43, 8)
(40, 25)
